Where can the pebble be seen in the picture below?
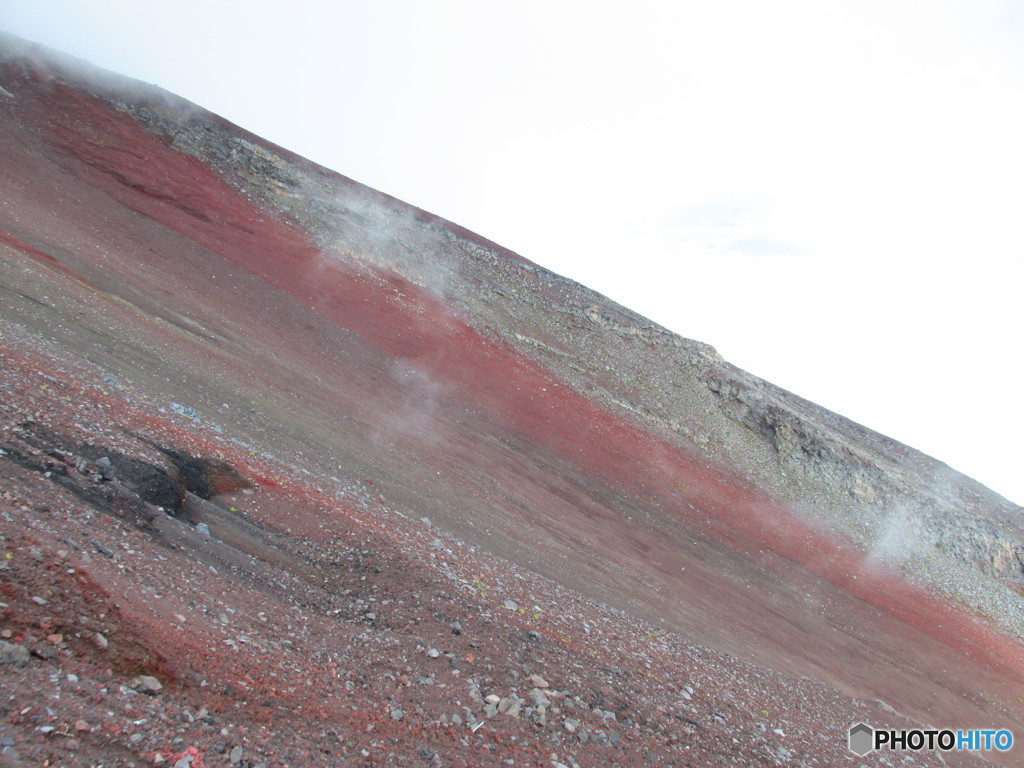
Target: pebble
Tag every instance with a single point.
(539, 699)
(203, 529)
(236, 755)
(509, 706)
(14, 654)
(106, 468)
(433, 653)
(538, 682)
(100, 641)
(512, 605)
(147, 684)
(102, 548)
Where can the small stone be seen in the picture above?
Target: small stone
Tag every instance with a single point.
(106, 468)
(397, 714)
(203, 530)
(456, 627)
(100, 641)
(39, 600)
(14, 654)
(81, 725)
(433, 653)
(55, 639)
(492, 698)
(102, 548)
(147, 684)
(538, 682)
(512, 605)
(538, 698)
(71, 744)
(236, 754)
(509, 706)
(571, 726)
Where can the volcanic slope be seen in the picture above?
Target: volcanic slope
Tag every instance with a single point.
(173, 286)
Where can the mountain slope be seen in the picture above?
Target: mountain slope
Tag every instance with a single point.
(394, 366)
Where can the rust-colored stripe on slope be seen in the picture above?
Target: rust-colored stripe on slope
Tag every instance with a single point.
(117, 156)
(42, 256)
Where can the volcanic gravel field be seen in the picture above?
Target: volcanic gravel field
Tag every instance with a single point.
(265, 502)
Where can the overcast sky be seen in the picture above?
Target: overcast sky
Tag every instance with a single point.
(830, 193)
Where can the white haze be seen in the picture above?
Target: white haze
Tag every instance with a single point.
(828, 192)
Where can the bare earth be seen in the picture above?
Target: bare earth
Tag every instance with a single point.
(406, 516)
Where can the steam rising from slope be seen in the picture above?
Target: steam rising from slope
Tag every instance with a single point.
(414, 413)
(899, 539)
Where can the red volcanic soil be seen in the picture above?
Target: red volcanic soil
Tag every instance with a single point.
(150, 306)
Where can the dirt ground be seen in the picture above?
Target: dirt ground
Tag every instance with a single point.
(262, 505)
(316, 626)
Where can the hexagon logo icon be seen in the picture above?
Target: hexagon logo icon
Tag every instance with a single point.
(862, 739)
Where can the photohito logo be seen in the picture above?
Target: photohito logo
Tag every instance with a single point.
(864, 739)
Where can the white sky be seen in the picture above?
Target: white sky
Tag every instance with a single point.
(830, 193)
